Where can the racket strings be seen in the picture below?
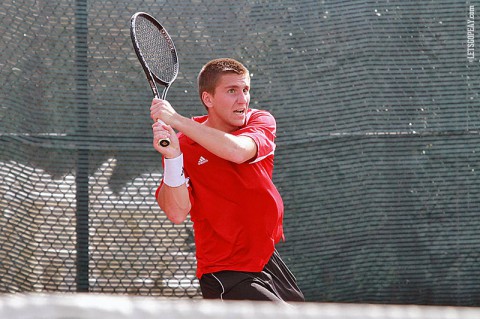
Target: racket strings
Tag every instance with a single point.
(157, 50)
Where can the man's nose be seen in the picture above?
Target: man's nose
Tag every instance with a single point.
(243, 97)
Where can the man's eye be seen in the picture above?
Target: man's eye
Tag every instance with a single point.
(231, 91)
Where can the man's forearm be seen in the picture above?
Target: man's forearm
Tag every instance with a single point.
(237, 149)
(175, 202)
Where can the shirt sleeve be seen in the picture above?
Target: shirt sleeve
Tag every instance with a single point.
(261, 127)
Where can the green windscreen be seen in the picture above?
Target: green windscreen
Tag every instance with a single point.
(377, 159)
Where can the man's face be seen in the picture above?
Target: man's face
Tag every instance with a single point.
(228, 106)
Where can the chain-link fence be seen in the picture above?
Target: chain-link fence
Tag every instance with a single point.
(377, 159)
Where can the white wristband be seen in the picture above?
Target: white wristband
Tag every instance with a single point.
(173, 175)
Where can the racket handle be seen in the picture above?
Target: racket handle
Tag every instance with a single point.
(164, 142)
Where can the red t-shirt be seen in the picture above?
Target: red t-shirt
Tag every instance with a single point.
(237, 212)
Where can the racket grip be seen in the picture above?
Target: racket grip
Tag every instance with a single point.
(165, 141)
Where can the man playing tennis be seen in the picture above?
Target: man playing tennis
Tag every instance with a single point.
(219, 169)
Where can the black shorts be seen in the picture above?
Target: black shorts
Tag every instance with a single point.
(275, 283)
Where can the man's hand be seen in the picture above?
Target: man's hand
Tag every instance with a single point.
(162, 110)
(162, 113)
(162, 131)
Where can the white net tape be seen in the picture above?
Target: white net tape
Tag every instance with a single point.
(90, 306)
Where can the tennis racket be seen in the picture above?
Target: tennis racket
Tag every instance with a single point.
(157, 54)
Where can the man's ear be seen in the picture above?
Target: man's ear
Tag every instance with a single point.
(207, 99)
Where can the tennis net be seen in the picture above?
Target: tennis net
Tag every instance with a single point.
(90, 306)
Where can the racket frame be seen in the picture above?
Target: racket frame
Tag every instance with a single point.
(152, 78)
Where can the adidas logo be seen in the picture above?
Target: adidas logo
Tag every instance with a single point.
(202, 160)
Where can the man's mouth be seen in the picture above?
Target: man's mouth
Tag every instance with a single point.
(242, 111)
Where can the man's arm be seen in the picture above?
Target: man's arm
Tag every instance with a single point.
(237, 149)
(175, 202)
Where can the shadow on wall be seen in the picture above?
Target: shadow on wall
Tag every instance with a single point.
(133, 248)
